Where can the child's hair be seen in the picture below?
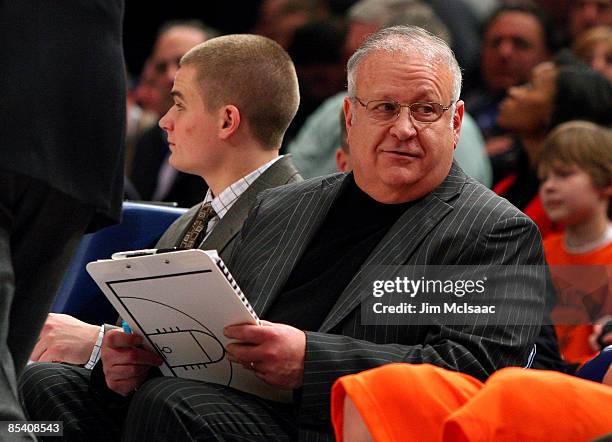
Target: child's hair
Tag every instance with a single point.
(583, 144)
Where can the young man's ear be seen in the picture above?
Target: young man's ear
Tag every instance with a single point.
(229, 121)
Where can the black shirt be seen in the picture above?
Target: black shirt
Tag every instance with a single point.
(355, 224)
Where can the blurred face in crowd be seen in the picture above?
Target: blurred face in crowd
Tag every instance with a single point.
(356, 34)
(600, 58)
(190, 126)
(278, 21)
(527, 108)
(513, 44)
(569, 195)
(399, 159)
(160, 69)
(585, 14)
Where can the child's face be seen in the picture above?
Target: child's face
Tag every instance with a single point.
(569, 195)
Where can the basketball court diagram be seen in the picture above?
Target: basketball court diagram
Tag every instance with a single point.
(189, 347)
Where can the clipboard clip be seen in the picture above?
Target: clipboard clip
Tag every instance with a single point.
(144, 252)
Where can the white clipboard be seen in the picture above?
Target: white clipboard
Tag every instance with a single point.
(180, 302)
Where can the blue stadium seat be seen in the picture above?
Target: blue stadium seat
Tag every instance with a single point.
(140, 228)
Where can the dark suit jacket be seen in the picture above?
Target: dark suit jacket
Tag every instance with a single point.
(63, 103)
(460, 222)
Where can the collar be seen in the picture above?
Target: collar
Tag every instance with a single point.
(226, 199)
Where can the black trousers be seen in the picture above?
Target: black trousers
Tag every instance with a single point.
(163, 409)
(39, 230)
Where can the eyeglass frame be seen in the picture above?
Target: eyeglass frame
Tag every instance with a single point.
(409, 106)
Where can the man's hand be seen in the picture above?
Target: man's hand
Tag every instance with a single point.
(125, 363)
(275, 352)
(65, 339)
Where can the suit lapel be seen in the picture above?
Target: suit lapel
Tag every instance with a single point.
(398, 245)
(276, 175)
(295, 231)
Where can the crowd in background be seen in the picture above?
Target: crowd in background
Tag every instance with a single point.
(497, 43)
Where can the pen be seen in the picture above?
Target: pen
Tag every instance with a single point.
(126, 327)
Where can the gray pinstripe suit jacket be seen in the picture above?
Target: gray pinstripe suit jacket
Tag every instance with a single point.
(460, 222)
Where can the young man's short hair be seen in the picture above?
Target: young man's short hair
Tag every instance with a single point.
(254, 74)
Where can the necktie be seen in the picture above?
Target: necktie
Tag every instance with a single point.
(205, 214)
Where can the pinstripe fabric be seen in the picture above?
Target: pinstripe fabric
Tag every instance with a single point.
(461, 223)
(66, 397)
(172, 409)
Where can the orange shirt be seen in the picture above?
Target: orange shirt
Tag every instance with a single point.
(596, 281)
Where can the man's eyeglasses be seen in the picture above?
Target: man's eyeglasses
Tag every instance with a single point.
(387, 111)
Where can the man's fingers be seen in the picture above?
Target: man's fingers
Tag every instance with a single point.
(118, 339)
(39, 349)
(253, 334)
(43, 357)
(245, 353)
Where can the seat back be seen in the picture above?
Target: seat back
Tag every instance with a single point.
(140, 228)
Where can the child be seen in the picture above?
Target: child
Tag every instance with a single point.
(576, 183)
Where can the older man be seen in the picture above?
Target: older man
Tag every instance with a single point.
(313, 247)
(313, 147)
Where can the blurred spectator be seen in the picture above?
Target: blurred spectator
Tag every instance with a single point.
(138, 121)
(482, 9)
(576, 173)
(174, 39)
(279, 19)
(516, 38)
(368, 16)
(555, 94)
(586, 14)
(316, 51)
(150, 173)
(464, 28)
(453, 22)
(594, 47)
